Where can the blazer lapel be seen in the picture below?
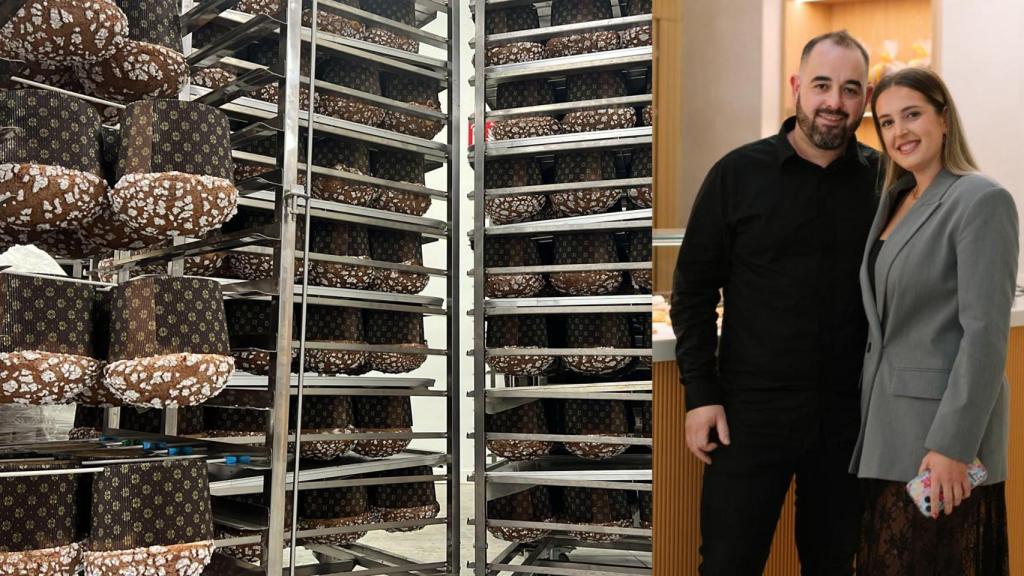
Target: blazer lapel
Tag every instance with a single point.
(867, 291)
(905, 230)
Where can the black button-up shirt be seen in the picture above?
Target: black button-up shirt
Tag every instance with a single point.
(782, 238)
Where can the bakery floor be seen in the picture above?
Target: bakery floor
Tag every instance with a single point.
(426, 545)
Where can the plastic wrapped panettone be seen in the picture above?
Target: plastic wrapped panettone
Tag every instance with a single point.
(585, 167)
(408, 501)
(586, 248)
(382, 414)
(601, 507)
(401, 11)
(596, 86)
(404, 329)
(526, 419)
(640, 251)
(576, 11)
(512, 251)
(323, 415)
(641, 166)
(50, 175)
(513, 173)
(638, 35)
(39, 521)
(521, 94)
(335, 508)
(401, 248)
(64, 32)
(169, 342)
(417, 92)
(518, 331)
(337, 325)
(174, 171)
(408, 167)
(46, 340)
(595, 418)
(532, 505)
(598, 331)
(355, 74)
(340, 239)
(513, 19)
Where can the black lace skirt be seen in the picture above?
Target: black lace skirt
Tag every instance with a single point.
(897, 540)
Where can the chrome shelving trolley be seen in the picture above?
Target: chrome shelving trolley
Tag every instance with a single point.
(279, 192)
(559, 544)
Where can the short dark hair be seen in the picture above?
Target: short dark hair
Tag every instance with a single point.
(840, 38)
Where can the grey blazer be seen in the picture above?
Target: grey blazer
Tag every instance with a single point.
(939, 319)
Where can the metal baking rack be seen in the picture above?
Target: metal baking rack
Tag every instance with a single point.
(273, 469)
(494, 392)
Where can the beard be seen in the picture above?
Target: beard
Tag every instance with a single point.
(826, 137)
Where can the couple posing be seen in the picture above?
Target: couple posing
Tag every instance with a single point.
(864, 338)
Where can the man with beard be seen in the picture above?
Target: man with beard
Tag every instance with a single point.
(779, 226)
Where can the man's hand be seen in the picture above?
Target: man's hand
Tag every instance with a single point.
(699, 423)
(948, 478)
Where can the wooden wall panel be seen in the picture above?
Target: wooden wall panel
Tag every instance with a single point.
(671, 209)
(1015, 482)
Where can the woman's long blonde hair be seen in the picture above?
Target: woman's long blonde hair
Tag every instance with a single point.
(956, 155)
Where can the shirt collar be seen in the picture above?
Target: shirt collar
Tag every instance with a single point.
(786, 150)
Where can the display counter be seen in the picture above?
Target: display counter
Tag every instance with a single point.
(678, 474)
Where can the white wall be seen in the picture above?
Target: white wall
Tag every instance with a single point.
(979, 47)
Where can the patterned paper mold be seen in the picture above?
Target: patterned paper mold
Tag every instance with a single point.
(404, 329)
(323, 415)
(532, 505)
(417, 93)
(586, 248)
(600, 507)
(408, 167)
(597, 418)
(408, 501)
(401, 248)
(514, 19)
(39, 521)
(326, 21)
(526, 419)
(65, 32)
(382, 414)
(520, 94)
(344, 156)
(355, 74)
(647, 117)
(593, 86)
(525, 331)
(402, 11)
(640, 251)
(584, 167)
(340, 325)
(513, 173)
(641, 166)
(574, 12)
(639, 35)
(508, 252)
(340, 239)
(597, 331)
(335, 508)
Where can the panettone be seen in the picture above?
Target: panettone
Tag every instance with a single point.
(596, 86)
(417, 92)
(521, 94)
(323, 415)
(326, 20)
(586, 248)
(513, 173)
(646, 509)
(252, 326)
(382, 414)
(408, 501)
(531, 505)
(340, 239)
(640, 251)
(523, 331)
(512, 251)
(399, 166)
(174, 171)
(641, 166)
(354, 74)
(600, 507)
(399, 247)
(64, 32)
(345, 156)
(597, 331)
(595, 418)
(221, 422)
(403, 329)
(335, 508)
(647, 117)
(39, 521)
(526, 419)
(337, 325)
(169, 342)
(514, 19)
(585, 167)
(638, 35)
(401, 11)
(46, 340)
(574, 12)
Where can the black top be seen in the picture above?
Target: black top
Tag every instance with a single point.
(784, 239)
(872, 260)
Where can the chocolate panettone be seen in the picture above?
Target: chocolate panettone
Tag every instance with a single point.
(382, 414)
(641, 166)
(150, 64)
(595, 86)
(524, 331)
(345, 156)
(417, 92)
(39, 521)
(340, 239)
(46, 340)
(597, 331)
(355, 74)
(595, 418)
(408, 501)
(323, 415)
(532, 505)
(640, 251)
(401, 11)
(526, 419)
(335, 508)
(513, 173)
(130, 535)
(514, 19)
(408, 167)
(401, 248)
(574, 12)
(174, 171)
(50, 176)
(638, 35)
(586, 248)
(521, 94)
(169, 342)
(252, 325)
(512, 251)
(585, 167)
(64, 32)
(596, 506)
(338, 325)
(403, 329)
(251, 265)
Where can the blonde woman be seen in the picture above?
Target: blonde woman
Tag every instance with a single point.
(938, 283)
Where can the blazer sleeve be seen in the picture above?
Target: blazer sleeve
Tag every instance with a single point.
(986, 255)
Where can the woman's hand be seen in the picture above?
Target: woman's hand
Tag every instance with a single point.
(948, 478)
